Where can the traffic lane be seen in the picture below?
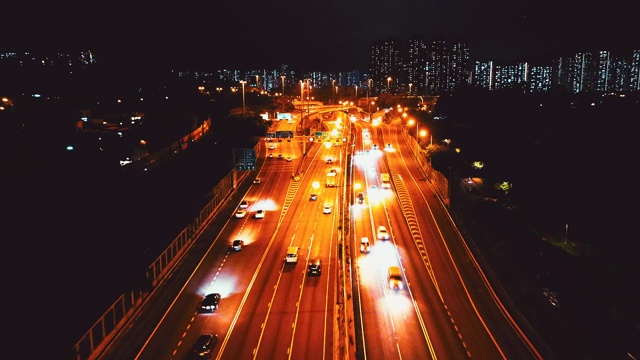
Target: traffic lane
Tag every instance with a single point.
(279, 330)
(219, 271)
(463, 309)
(500, 325)
(429, 258)
(248, 337)
(313, 333)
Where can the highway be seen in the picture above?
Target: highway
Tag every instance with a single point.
(270, 309)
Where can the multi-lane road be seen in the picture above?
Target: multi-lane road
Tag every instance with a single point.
(271, 309)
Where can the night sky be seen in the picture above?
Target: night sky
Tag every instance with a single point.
(319, 35)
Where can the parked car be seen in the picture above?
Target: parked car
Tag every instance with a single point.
(210, 303)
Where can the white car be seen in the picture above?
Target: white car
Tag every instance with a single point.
(256, 181)
(244, 204)
(382, 233)
(241, 213)
(289, 159)
(259, 214)
(326, 209)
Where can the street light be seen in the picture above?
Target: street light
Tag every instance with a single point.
(369, 104)
(243, 82)
(282, 77)
(356, 95)
(333, 85)
(388, 81)
(410, 85)
(257, 81)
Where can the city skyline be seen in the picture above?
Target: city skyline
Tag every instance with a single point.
(327, 37)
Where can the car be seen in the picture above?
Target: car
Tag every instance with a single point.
(203, 347)
(313, 197)
(382, 233)
(389, 146)
(375, 146)
(329, 161)
(270, 155)
(326, 209)
(244, 204)
(364, 245)
(210, 303)
(358, 152)
(256, 181)
(259, 214)
(272, 146)
(360, 197)
(241, 213)
(333, 171)
(314, 267)
(237, 245)
(289, 159)
(279, 156)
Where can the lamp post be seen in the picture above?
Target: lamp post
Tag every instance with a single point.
(368, 103)
(243, 107)
(333, 85)
(257, 81)
(356, 95)
(388, 82)
(282, 77)
(410, 85)
(301, 104)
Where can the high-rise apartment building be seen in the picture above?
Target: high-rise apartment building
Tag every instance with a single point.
(385, 62)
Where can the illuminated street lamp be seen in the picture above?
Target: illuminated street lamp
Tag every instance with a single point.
(388, 82)
(257, 81)
(282, 77)
(369, 87)
(333, 85)
(410, 85)
(356, 95)
(243, 107)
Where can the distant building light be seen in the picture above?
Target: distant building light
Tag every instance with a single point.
(36, 95)
(84, 118)
(70, 147)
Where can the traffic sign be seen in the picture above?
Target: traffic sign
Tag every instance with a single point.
(284, 134)
(245, 159)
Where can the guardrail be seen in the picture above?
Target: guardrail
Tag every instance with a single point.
(105, 329)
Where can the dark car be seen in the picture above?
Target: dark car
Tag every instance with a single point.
(313, 197)
(237, 245)
(360, 197)
(204, 345)
(210, 303)
(315, 267)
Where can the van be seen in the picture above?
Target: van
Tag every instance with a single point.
(395, 278)
(292, 255)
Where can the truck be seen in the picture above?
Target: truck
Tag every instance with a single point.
(331, 179)
(395, 278)
(385, 181)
